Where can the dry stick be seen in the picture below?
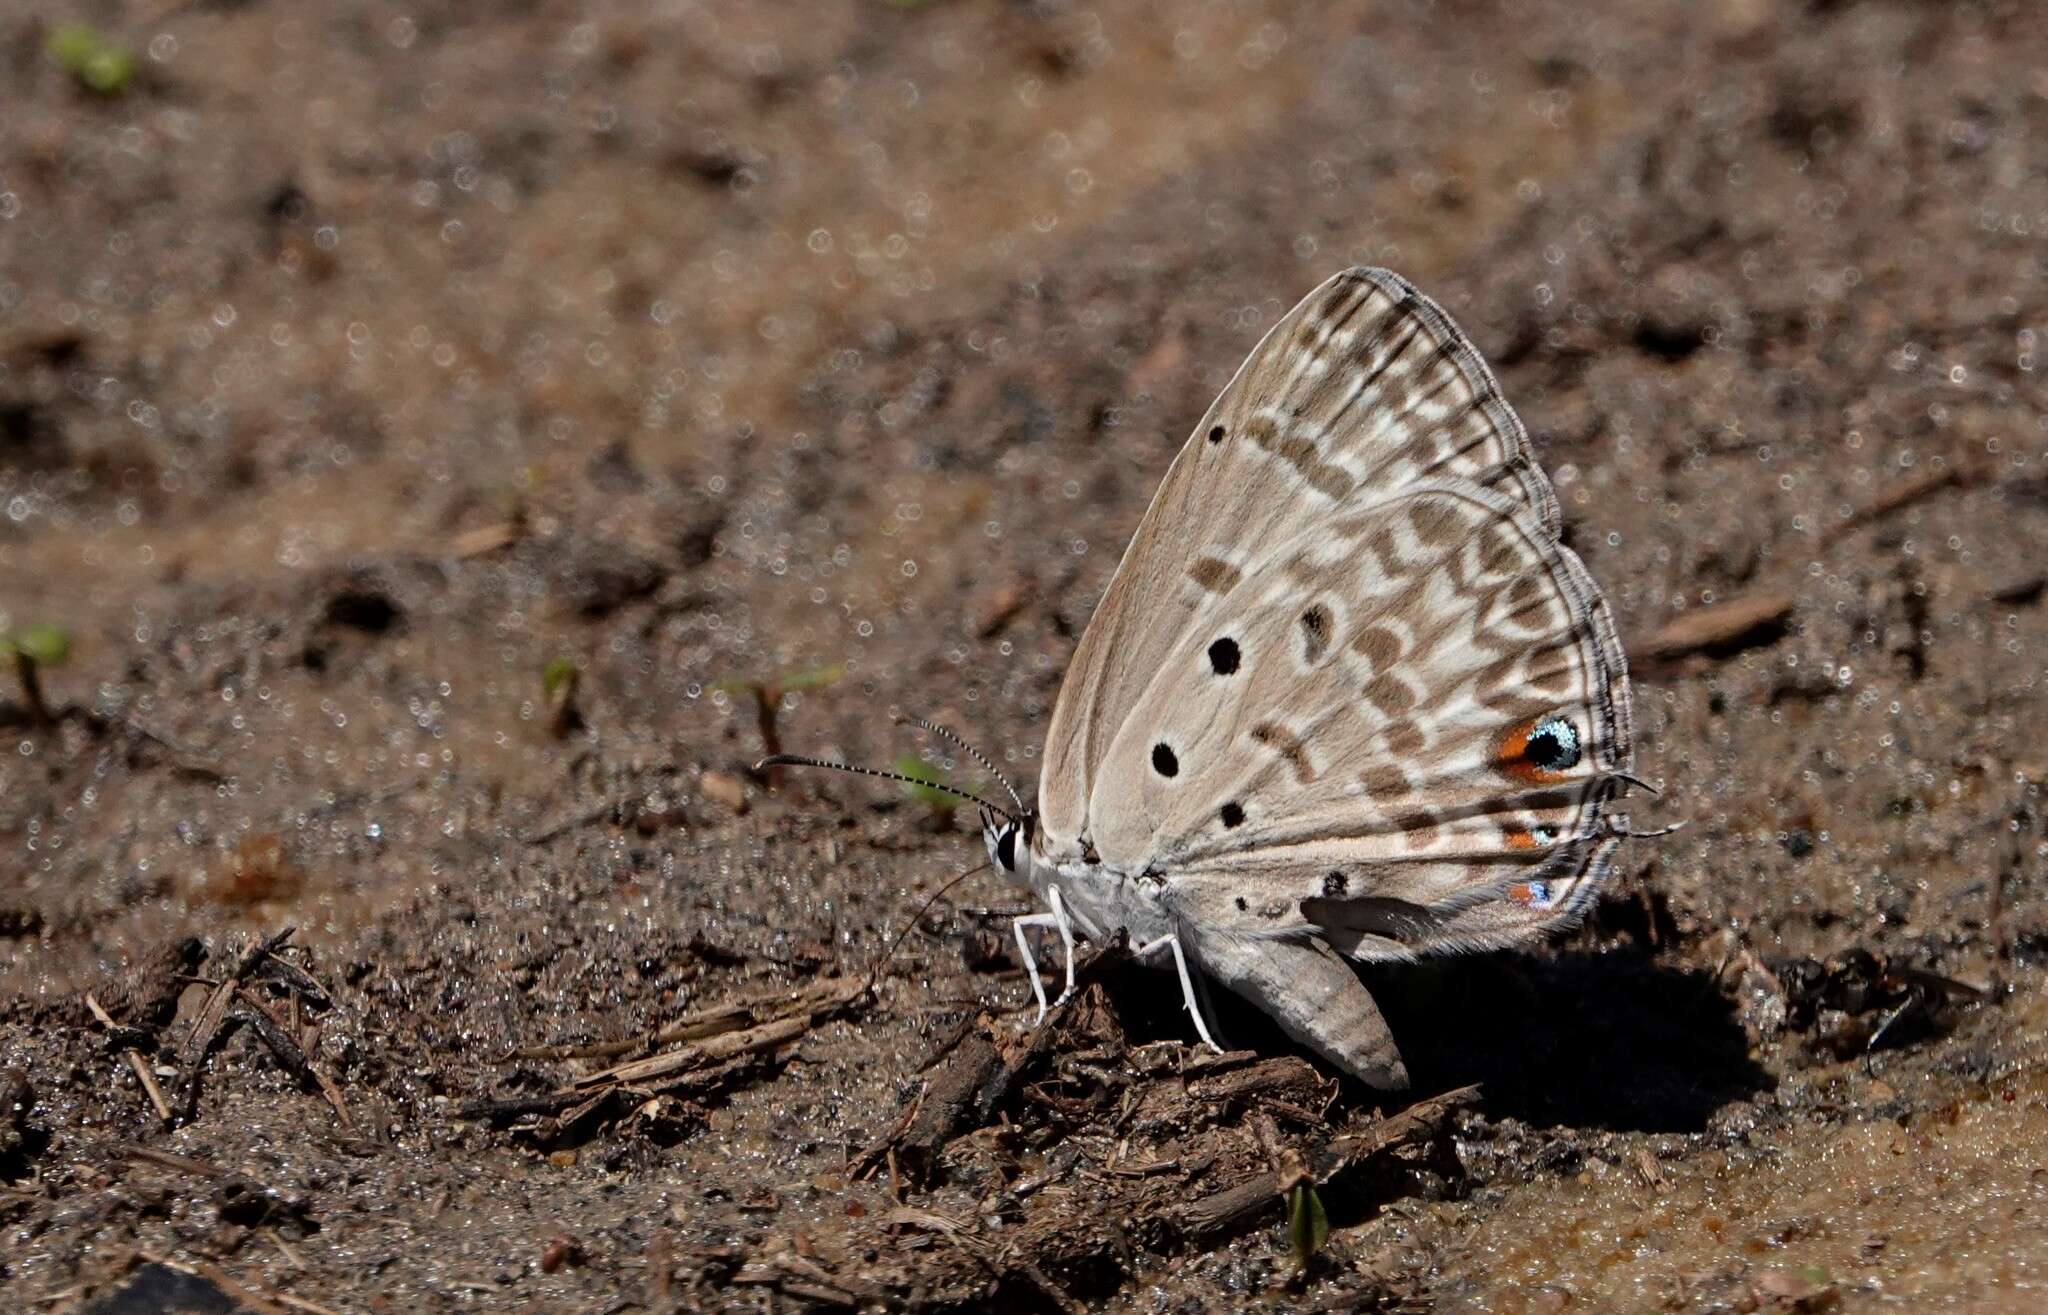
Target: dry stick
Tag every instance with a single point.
(1739, 619)
(1899, 496)
(718, 1044)
(149, 1084)
(711, 1021)
(767, 1036)
(134, 1058)
(833, 993)
(170, 1160)
(1717, 625)
(239, 1185)
(712, 1062)
(1231, 1208)
(940, 1108)
(207, 1029)
(284, 1044)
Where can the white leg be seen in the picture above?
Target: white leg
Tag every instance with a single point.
(1066, 926)
(1187, 984)
(1030, 959)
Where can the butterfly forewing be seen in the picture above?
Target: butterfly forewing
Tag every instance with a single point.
(1347, 681)
(1364, 388)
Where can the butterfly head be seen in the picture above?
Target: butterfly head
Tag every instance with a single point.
(1008, 839)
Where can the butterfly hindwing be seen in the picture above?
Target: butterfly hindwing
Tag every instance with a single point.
(1422, 709)
(1364, 388)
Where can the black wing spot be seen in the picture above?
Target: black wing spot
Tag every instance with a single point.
(1335, 884)
(1163, 761)
(1223, 656)
(1216, 434)
(1232, 814)
(1316, 624)
(1241, 905)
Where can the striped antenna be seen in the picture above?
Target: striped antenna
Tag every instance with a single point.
(971, 752)
(792, 760)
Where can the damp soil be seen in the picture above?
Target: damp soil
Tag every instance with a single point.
(441, 431)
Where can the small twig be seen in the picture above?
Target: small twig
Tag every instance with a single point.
(301, 982)
(134, 1058)
(284, 1043)
(768, 1036)
(99, 1011)
(1902, 494)
(713, 1020)
(149, 1083)
(1233, 1207)
(1718, 627)
(206, 1031)
(181, 1163)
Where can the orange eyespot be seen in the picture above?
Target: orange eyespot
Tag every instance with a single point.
(1516, 837)
(1519, 893)
(1539, 751)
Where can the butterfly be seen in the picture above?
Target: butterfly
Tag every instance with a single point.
(1346, 697)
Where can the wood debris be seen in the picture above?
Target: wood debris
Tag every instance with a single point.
(726, 1045)
(1718, 629)
(1170, 1148)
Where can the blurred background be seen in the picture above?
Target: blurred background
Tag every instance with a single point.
(439, 442)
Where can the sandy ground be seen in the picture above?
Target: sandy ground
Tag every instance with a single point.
(359, 362)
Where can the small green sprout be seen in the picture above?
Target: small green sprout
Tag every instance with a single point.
(559, 680)
(30, 649)
(100, 64)
(1308, 1227)
(930, 776)
(767, 696)
(810, 678)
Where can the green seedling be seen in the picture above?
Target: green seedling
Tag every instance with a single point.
(1308, 1226)
(559, 681)
(929, 786)
(767, 697)
(98, 63)
(30, 649)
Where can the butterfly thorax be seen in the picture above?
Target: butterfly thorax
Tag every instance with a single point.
(1100, 899)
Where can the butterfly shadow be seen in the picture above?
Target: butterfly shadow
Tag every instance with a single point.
(1576, 1038)
(1611, 1040)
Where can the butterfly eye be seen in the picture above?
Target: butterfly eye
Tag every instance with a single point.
(1223, 656)
(1006, 849)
